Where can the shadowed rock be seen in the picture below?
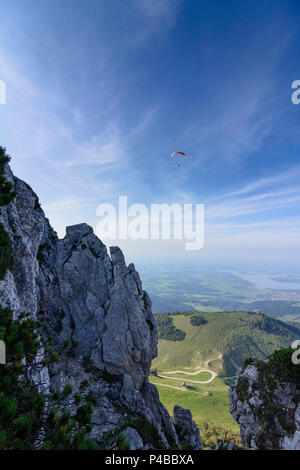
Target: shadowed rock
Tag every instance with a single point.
(186, 428)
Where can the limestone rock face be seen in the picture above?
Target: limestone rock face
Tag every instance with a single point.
(98, 301)
(133, 438)
(226, 445)
(25, 226)
(267, 409)
(85, 295)
(186, 427)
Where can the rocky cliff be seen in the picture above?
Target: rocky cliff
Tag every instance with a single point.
(265, 402)
(87, 297)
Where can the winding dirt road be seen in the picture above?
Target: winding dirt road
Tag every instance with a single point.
(207, 363)
(213, 375)
(171, 386)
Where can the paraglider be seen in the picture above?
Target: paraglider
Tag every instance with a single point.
(178, 154)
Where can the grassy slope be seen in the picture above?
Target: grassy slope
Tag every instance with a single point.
(230, 334)
(209, 405)
(220, 345)
(207, 402)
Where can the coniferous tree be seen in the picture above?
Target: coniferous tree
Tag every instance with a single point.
(31, 417)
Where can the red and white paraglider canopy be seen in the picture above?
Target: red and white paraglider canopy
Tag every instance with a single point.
(178, 154)
(181, 153)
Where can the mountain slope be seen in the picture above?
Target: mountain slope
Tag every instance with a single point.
(220, 340)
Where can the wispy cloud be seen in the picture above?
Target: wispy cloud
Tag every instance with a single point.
(57, 150)
(105, 150)
(263, 223)
(144, 122)
(155, 18)
(282, 178)
(162, 11)
(67, 204)
(283, 194)
(243, 107)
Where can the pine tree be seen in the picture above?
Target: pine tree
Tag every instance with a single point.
(29, 418)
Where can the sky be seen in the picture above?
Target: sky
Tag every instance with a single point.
(99, 93)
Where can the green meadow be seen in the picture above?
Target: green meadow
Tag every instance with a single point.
(222, 343)
(209, 404)
(210, 345)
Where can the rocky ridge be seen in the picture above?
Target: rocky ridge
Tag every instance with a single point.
(92, 299)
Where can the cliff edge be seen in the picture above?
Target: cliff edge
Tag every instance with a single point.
(94, 300)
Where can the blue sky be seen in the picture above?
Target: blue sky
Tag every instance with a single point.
(100, 93)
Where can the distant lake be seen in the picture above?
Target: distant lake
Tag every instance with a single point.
(265, 281)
